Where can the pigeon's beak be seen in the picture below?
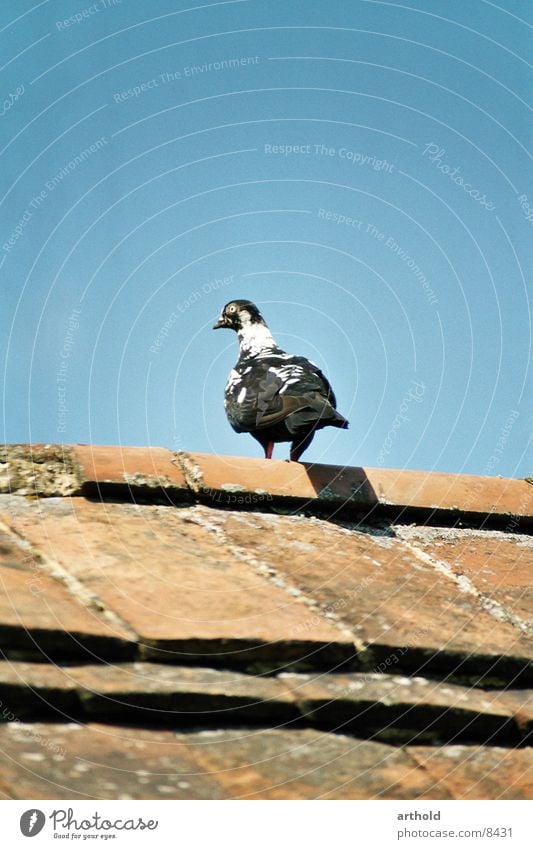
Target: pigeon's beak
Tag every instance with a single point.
(220, 323)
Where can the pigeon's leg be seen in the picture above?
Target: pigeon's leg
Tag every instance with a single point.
(266, 444)
(298, 448)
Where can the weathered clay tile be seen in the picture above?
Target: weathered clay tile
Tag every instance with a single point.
(36, 690)
(132, 468)
(427, 493)
(459, 494)
(519, 703)
(182, 696)
(407, 709)
(56, 761)
(386, 707)
(215, 477)
(307, 764)
(412, 613)
(479, 772)
(497, 565)
(62, 470)
(39, 614)
(172, 579)
(203, 562)
(39, 470)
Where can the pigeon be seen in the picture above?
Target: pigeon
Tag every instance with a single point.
(270, 394)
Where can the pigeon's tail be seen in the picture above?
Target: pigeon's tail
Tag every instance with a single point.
(320, 415)
(339, 421)
(330, 416)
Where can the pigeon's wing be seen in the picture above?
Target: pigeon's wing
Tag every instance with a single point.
(300, 376)
(275, 388)
(254, 396)
(305, 398)
(311, 379)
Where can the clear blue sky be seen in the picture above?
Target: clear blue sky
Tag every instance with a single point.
(359, 169)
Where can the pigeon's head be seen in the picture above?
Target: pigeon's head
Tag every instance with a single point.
(238, 315)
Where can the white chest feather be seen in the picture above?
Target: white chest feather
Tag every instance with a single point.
(255, 338)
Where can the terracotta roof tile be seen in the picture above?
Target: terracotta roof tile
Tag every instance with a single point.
(495, 565)
(40, 612)
(56, 761)
(404, 493)
(479, 773)
(148, 468)
(261, 629)
(385, 593)
(50, 761)
(369, 705)
(166, 575)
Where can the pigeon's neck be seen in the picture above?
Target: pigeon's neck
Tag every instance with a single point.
(255, 339)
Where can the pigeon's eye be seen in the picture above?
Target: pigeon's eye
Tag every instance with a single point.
(232, 308)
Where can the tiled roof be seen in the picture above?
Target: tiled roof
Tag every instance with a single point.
(178, 625)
